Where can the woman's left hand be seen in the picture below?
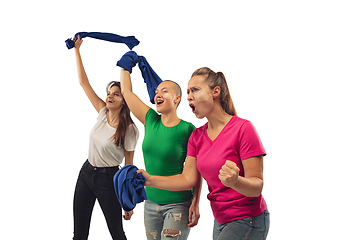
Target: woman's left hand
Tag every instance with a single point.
(127, 215)
(229, 174)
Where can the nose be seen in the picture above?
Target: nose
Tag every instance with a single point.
(158, 95)
(189, 97)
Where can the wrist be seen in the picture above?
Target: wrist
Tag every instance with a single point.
(237, 184)
(149, 181)
(195, 200)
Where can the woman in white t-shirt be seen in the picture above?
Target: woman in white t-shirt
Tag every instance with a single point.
(113, 137)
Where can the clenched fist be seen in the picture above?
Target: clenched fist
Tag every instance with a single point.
(229, 174)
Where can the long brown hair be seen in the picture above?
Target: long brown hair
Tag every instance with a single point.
(124, 119)
(218, 79)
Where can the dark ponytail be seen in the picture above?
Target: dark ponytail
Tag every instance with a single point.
(218, 79)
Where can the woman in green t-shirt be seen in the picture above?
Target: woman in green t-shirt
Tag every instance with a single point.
(167, 213)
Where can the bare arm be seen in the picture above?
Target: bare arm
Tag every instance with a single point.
(251, 184)
(97, 102)
(194, 210)
(129, 156)
(184, 181)
(136, 106)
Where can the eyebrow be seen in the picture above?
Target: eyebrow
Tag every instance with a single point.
(161, 89)
(113, 91)
(192, 87)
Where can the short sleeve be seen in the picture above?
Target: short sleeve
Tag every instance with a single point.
(250, 143)
(151, 116)
(131, 137)
(102, 114)
(191, 149)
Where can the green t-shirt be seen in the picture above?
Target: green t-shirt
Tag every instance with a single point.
(164, 151)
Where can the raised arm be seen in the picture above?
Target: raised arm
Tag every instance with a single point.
(184, 181)
(136, 106)
(97, 102)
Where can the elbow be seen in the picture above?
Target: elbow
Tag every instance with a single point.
(189, 185)
(188, 188)
(125, 89)
(82, 83)
(257, 190)
(123, 92)
(254, 194)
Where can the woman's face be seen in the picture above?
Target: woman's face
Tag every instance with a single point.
(200, 96)
(114, 99)
(165, 97)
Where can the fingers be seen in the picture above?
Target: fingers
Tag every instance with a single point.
(229, 168)
(193, 223)
(193, 220)
(127, 215)
(229, 173)
(145, 175)
(194, 215)
(230, 164)
(78, 41)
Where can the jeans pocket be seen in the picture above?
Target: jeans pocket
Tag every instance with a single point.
(248, 221)
(267, 213)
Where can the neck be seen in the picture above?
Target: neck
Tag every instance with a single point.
(218, 118)
(170, 119)
(113, 117)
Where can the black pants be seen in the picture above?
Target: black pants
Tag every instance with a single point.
(96, 183)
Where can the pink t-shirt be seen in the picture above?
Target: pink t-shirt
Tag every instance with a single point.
(236, 142)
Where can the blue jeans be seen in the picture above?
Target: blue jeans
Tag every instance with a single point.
(250, 228)
(168, 221)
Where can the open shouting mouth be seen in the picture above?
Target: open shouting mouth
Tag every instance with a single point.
(192, 107)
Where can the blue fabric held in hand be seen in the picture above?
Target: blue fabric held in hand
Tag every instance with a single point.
(130, 41)
(152, 80)
(128, 61)
(129, 187)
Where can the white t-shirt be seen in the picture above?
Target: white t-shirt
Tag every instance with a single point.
(103, 152)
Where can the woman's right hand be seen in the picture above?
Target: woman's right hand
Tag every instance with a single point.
(146, 176)
(78, 42)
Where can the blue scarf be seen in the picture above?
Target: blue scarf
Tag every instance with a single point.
(152, 80)
(129, 187)
(130, 41)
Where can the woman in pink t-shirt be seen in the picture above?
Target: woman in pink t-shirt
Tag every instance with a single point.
(228, 154)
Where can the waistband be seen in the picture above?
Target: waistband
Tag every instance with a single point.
(87, 164)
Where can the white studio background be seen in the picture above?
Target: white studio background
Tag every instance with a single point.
(292, 68)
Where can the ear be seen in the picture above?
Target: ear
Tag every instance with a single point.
(216, 92)
(177, 99)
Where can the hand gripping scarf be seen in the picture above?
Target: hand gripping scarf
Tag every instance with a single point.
(129, 187)
(152, 80)
(130, 41)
